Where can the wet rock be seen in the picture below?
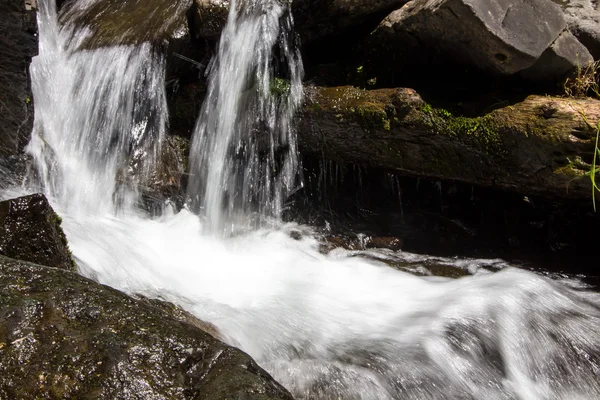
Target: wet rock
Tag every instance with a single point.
(541, 145)
(502, 36)
(583, 19)
(565, 55)
(168, 180)
(390, 243)
(114, 22)
(64, 336)
(19, 44)
(30, 231)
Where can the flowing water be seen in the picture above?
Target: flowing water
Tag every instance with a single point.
(341, 325)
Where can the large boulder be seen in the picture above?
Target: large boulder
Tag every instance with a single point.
(564, 56)
(583, 18)
(19, 44)
(64, 336)
(500, 36)
(540, 146)
(30, 230)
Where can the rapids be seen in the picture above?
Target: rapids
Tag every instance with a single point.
(342, 325)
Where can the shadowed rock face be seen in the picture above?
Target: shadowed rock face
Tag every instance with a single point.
(18, 44)
(314, 19)
(64, 336)
(30, 231)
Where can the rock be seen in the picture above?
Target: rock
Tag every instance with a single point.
(383, 242)
(30, 231)
(314, 19)
(541, 145)
(64, 336)
(19, 43)
(565, 55)
(503, 36)
(167, 181)
(583, 19)
(115, 22)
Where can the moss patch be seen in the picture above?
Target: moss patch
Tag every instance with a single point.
(482, 132)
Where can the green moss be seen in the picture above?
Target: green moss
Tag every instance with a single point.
(280, 87)
(372, 116)
(480, 131)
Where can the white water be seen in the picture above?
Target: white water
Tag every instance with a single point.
(334, 326)
(243, 157)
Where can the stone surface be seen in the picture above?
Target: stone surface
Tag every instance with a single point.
(64, 336)
(503, 36)
(19, 44)
(30, 231)
(541, 145)
(564, 56)
(583, 18)
(116, 22)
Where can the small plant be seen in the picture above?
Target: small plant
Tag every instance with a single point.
(595, 168)
(585, 83)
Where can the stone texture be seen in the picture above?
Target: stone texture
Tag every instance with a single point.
(30, 231)
(64, 336)
(19, 44)
(503, 36)
(541, 145)
(583, 18)
(116, 22)
(564, 56)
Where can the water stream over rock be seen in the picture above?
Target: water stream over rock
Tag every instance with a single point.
(337, 325)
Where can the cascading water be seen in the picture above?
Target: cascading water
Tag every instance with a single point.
(327, 326)
(243, 156)
(100, 116)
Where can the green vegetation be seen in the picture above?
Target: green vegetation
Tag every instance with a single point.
(482, 131)
(280, 87)
(595, 168)
(585, 83)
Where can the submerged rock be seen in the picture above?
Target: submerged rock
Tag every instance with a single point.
(19, 44)
(541, 145)
(64, 336)
(30, 231)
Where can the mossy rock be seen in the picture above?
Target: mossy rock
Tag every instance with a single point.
(542, 145)
(30, 230)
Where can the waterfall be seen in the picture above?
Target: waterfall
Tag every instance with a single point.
(100, 117)
(343, 324)
(243, 160)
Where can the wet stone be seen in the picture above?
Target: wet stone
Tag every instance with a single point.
(64, 336)
(30, 230)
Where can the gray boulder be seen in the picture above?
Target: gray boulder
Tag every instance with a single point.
(565, 55)
(583, 18)
(502, 36)
(63, 336)
(30, 230)
(19, 44)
